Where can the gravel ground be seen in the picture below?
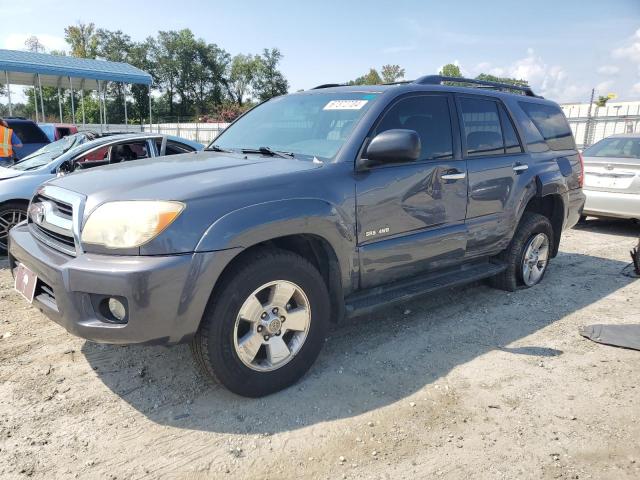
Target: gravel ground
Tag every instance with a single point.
(470, 383)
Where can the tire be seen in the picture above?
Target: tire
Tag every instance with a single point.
(11, 213)
(216, 346)
(530, 227)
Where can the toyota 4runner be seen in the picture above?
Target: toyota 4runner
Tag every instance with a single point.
(310, 207)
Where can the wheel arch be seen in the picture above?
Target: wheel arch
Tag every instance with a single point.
(551, 206)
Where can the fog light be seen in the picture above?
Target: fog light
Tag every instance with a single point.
(117, 309)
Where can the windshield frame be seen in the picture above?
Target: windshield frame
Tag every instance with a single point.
(377, 104)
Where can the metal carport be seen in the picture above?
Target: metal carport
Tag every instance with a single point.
(42, 70)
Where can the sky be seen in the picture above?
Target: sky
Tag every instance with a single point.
(564, 48)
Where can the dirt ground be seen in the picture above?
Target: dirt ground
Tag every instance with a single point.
(470, 383)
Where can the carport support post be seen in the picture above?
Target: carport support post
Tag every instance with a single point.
(41, 99)
(100, 105)
(150, 122)
(60, 103)
(35, 100)
(82, 101)
(6, 76)
(124, 94)
(73, 106)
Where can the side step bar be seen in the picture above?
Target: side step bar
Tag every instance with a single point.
(368, 300)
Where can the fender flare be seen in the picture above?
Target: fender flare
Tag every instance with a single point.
(254, 224)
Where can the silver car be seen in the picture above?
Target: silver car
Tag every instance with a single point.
(612, 177)
(75, 152)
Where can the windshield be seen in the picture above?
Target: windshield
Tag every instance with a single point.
(314, 124)
(50, 152)
(615, 147)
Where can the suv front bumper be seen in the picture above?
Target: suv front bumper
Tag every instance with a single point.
(166, 295)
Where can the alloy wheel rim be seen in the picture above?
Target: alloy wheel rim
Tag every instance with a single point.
(8, 220)
(272, 326)
(536, 258)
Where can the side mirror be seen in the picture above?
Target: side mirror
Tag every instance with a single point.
(64, 168)
(392, 146)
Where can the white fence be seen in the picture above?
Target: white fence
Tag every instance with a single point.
(615, 117)
(198, 132)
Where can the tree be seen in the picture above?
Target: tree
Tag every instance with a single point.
(82, 40)
(241, 75)
(33, 44)
(508, 80)
(269, 81)
(371, 78)
(450, 70)
(392, 73)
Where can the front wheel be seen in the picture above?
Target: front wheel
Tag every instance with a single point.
(11, 214)
(265, 325)
(528, 254)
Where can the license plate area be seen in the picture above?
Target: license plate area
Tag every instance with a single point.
(25, 282)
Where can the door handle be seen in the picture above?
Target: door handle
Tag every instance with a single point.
(520, 167)
(453, 175)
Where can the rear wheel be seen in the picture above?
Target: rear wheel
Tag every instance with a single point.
(528, 254)
(11, 213)
(265, 325)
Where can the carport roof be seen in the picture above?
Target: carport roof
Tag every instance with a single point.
(55, 70)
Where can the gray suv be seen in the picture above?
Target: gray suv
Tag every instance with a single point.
(309, 208)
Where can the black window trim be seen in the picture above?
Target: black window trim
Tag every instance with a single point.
(463, 137)
(455, 130)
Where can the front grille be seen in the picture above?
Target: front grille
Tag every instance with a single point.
(51, 220)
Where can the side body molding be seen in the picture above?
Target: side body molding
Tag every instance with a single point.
(258, 223)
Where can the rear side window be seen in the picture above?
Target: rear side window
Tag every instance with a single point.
(511, 142)
(552, 125)
(482, 127)
(428, 115)
(28, 132)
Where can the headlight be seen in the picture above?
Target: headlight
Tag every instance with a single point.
(129, 224)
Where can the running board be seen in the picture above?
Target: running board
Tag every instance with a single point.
(368, 300)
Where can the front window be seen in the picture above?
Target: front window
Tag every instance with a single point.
(615, 147)
(313, 124)
(50, 152)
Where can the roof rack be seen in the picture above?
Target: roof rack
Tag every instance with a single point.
(329, 85)
(438, 79)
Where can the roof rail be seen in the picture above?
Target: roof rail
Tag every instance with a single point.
(438, 79)
(329, 85)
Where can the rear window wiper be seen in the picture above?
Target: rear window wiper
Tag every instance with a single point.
(268, 151)
(216, 148)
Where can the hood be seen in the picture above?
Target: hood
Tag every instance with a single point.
(9, 173)
(179, 177)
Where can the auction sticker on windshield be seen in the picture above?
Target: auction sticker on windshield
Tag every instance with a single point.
(25, 282)
(345, 104)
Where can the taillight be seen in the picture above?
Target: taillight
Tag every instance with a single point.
(581, 175)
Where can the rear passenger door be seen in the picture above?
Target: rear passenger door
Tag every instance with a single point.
(410, 216)
(495, 158)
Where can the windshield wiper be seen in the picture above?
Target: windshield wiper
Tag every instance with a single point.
(269, 151)
(216, 148)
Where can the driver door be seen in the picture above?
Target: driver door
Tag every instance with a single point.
(410, 216)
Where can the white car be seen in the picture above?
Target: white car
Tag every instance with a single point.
(612, 177)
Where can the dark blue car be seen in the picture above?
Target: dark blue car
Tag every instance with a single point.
(32, 136)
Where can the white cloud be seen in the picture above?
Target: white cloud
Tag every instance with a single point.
(549, 81)
(609, 70)
(15, 41)
(631, 51)
(604, 87)
(636, 88)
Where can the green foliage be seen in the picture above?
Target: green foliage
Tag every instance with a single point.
(371, 78)
(82, 39)
(508, 80)
(602, 101)
(450, 70)
(268, 81)
(392, 73)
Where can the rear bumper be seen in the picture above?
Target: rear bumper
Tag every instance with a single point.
(166, 295)
(574, 203)
(612, 204)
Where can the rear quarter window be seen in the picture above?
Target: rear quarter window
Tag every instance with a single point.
(28, 132)
(552, 125)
